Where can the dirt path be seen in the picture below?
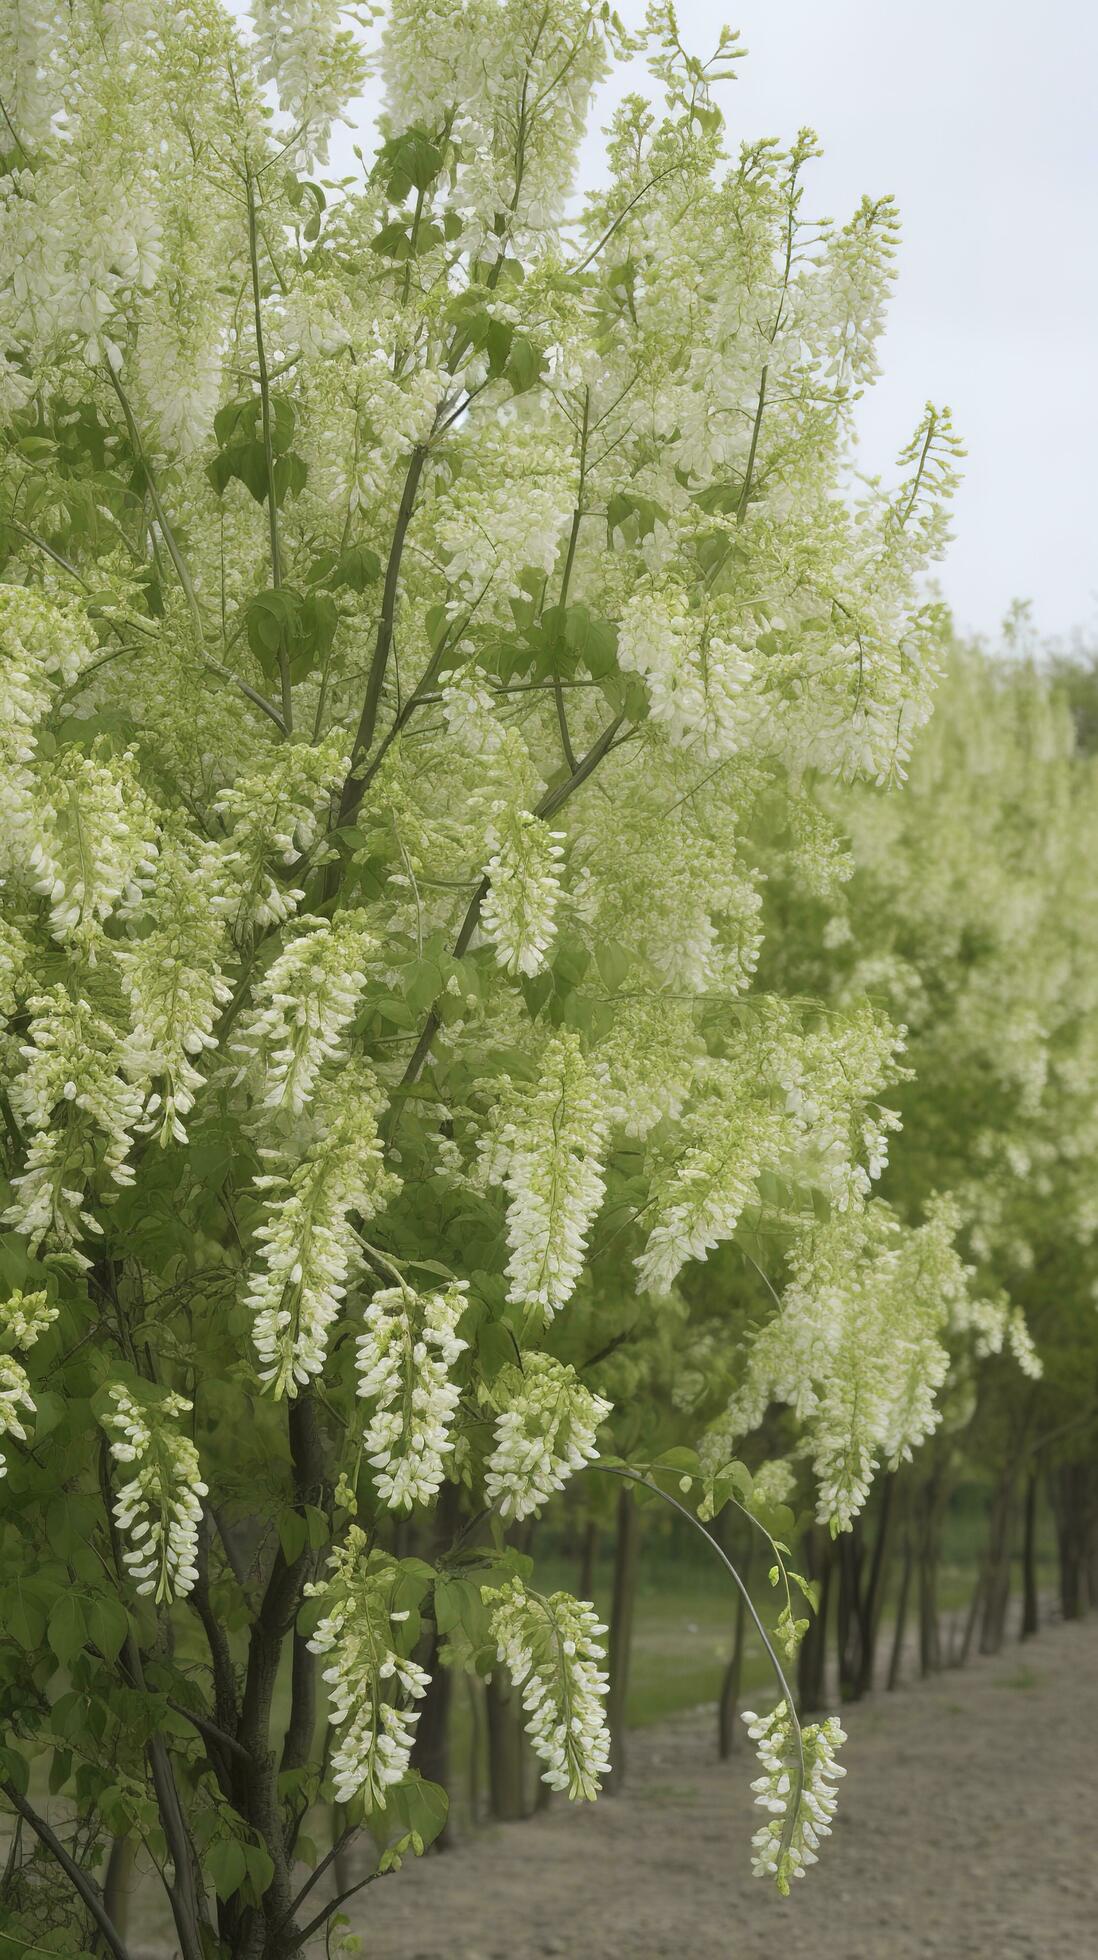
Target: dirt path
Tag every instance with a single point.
(966, 1828)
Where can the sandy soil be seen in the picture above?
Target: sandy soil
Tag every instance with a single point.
(966, 1828)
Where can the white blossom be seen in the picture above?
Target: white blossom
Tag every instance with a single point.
(306, 1240)
(159, 1507)
(404, 1361)
(304, 1004)
(519, 911)
(796, 1788)
(547, 1152)
(545, 1431)
(359, 1635)
(551, 1649)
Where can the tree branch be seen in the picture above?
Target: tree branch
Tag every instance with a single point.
(77, 1878)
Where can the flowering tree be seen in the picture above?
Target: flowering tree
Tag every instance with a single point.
(971, 918)
(413, 597)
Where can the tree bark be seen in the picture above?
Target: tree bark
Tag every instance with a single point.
(895, 1664)
(728, 1706)
(1030, 1612)
(621, 1632)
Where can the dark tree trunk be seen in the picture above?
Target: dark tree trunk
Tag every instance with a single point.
(505, 1739)
(621, 1632)
(728, 1706)
(873, 1595)
(895, 1664)
(996, 1591)
(431, 1749)
(819, 1554)
(588, 1557)
(1030, 1616)
(117, 1881)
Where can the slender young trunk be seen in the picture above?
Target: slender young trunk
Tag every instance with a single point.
(1030, 1615)
(117, 1881)
(621, 1632)
(930, 1645)
(431, 1749)
(504, 1751)
(872, 1598)
(588, 1558)
(850, 1549)
(728, 1707)
(895, 1664)
(996, 1594)
(819, 1555)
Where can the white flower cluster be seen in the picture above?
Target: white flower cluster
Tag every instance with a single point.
(545, 1431)
(859, 1349)
(316, 64)
(700, 1198)
(23, 1317)
(551, 1649)
(547, 1151)
(160, 1507)
(493, 536)
(273, 816)
(306, 1240)
(73, 1060)
(359, 1631)
(172, 980)
(304, 1003)
(42, 646)
(519, 911)
(796, 1788)
(404, 1360)
(696, 679)
(94, 839)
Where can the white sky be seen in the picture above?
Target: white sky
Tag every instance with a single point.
(979, 116)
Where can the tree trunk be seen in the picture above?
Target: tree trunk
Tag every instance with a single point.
(895, 1664)
(431, 1748)
(621, 1632)
(996, 1591)
(117, 1881)
(728, 1707)
(588, 1557)
(812, 1660)
(873, 1595)
(1030, 1616)
(504, 1750)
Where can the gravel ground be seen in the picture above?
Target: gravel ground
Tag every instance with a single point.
(965, 1828)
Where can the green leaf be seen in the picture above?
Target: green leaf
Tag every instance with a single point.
(260, 1866)
(108, 1625)
(67, 1629)
(26, 1612)
(226, 1864)
(292, 1535)
(495, 1348)
(426, 1807)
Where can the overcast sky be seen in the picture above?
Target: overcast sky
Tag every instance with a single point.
(979, 116)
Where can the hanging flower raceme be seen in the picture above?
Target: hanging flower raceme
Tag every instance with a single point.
(698, 681)
(23, 1317)
(273, 816)
(547, 1152)
(159, 1508)
(360, 1634)
(796, 1787)
(172, 979)
(404, 1363)
(732, 1133)
(304, 1003)
(95, 837)
(519, 912)
(306, 1240)
(551, 1649)
(15, 1401)
(545, 1431)
(80, 1113)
